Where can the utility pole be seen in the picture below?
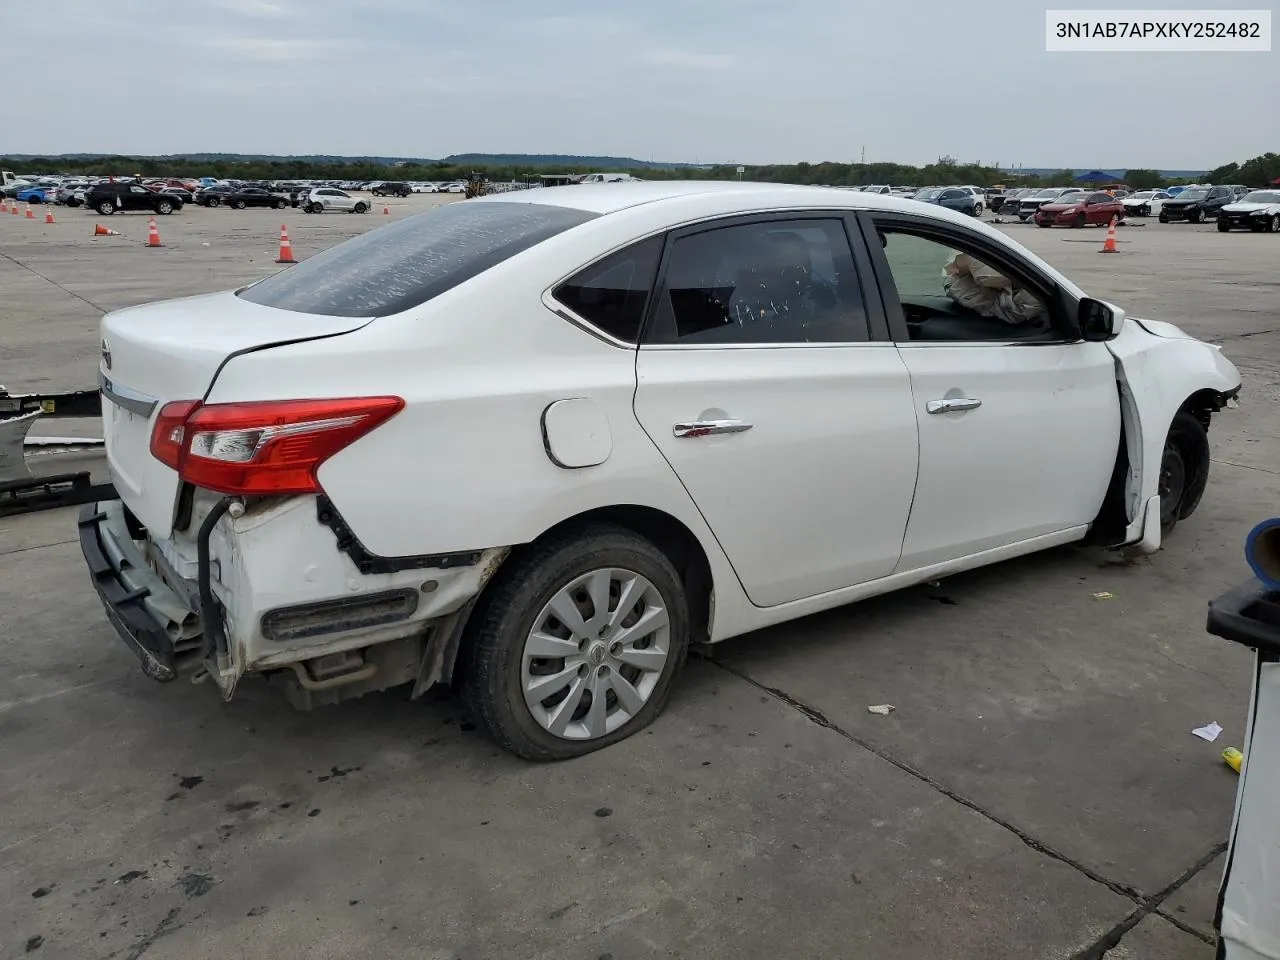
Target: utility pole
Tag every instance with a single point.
(864, 154)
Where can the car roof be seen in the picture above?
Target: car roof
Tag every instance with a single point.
(608, 198)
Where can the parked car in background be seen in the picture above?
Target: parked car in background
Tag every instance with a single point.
(391, 188)
(1078, 209)
(426, 188)
(182, 193)
(1239, 189)
(1258, 210)
(1196, 204)
(953, 198)
(1028, 205)
(215, 195)
(255, 197)
(71, 193)
(109, 198)
(485, 467)
(35, 195)
(1144, 203)
(457, 186)
(325, 199)
(880, 188)
(979, 198)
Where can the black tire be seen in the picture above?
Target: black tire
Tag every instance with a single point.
(1044, 223)
(1144, 211)
(1184, 469)
(1272, 224)
(361, 207)
(238, 204)
(164, 208)
(1195, 216)
(1079, 221)
(494, 644)
(279, 204)
(106, 208)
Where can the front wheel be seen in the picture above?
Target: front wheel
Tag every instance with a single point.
(164, 208)
(1273, 223)
(1223, 226)
(1078, 222)
(576, 643)
(213, 202)
(1195, 216)
(279, 204)
(1184, 469)
(362, 208)
(238, 204)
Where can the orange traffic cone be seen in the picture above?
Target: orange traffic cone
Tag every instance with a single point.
(153, 235)
(286, 248)
(30, 215)
(386, 211)
(48, 215)
(14, 208)
(1109, 245)
(4, 205)
(100, 231)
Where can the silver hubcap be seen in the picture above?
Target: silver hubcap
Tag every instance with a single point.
(595, 654)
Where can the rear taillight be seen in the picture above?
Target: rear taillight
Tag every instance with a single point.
(166, 436)
(268, 447)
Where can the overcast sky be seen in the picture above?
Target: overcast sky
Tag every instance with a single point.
(754, 81)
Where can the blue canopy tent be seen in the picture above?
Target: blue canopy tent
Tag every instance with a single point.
(1098, 176)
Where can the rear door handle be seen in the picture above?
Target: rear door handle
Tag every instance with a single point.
(706, 428)
(951, 405)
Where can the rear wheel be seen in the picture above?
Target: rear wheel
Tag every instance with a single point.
(1184, 469)
(106, 208)
(213, 202)
(238, 204)
(576, 643)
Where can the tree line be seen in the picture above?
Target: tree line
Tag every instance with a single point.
(1256, 172)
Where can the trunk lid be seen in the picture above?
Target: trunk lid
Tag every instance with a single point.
(161, 352)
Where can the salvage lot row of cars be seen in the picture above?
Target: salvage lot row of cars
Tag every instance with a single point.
(1232, 206)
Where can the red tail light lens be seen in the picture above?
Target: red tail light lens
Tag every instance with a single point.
(167, 434)
(269, 447)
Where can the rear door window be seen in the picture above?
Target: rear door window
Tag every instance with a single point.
(399, 266)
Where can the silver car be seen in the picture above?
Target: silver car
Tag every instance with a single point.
(323, 199)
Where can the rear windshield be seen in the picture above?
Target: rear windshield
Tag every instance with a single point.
(396, 267)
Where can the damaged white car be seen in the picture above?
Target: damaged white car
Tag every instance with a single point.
(535, 444)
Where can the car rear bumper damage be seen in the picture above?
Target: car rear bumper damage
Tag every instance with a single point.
(152, 620)
(238, 600)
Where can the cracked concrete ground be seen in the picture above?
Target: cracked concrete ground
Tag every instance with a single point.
(1036, 793)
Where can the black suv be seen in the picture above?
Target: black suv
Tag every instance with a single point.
(109, 198)
(1196, 204)
(392, 189)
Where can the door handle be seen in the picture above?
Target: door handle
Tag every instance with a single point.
(705, 428)
(950, 406)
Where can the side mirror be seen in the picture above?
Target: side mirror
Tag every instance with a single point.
(1100, 320)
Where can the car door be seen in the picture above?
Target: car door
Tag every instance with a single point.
(759, 382)
(137, 198)
(1019, 420)
(1101, 208)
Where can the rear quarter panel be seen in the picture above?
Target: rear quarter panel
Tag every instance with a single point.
(463, 466)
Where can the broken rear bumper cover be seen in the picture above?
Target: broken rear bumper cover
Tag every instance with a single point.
(139, 604)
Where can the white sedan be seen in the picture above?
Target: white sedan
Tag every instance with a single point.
(537, 443)
(1145, 203)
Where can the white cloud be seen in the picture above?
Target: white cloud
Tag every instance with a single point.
(256, 8)
(688, 59)
(278, 50)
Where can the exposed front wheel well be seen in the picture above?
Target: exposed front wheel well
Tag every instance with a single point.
(1203, 404)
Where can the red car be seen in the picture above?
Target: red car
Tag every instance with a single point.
(1077, 209)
